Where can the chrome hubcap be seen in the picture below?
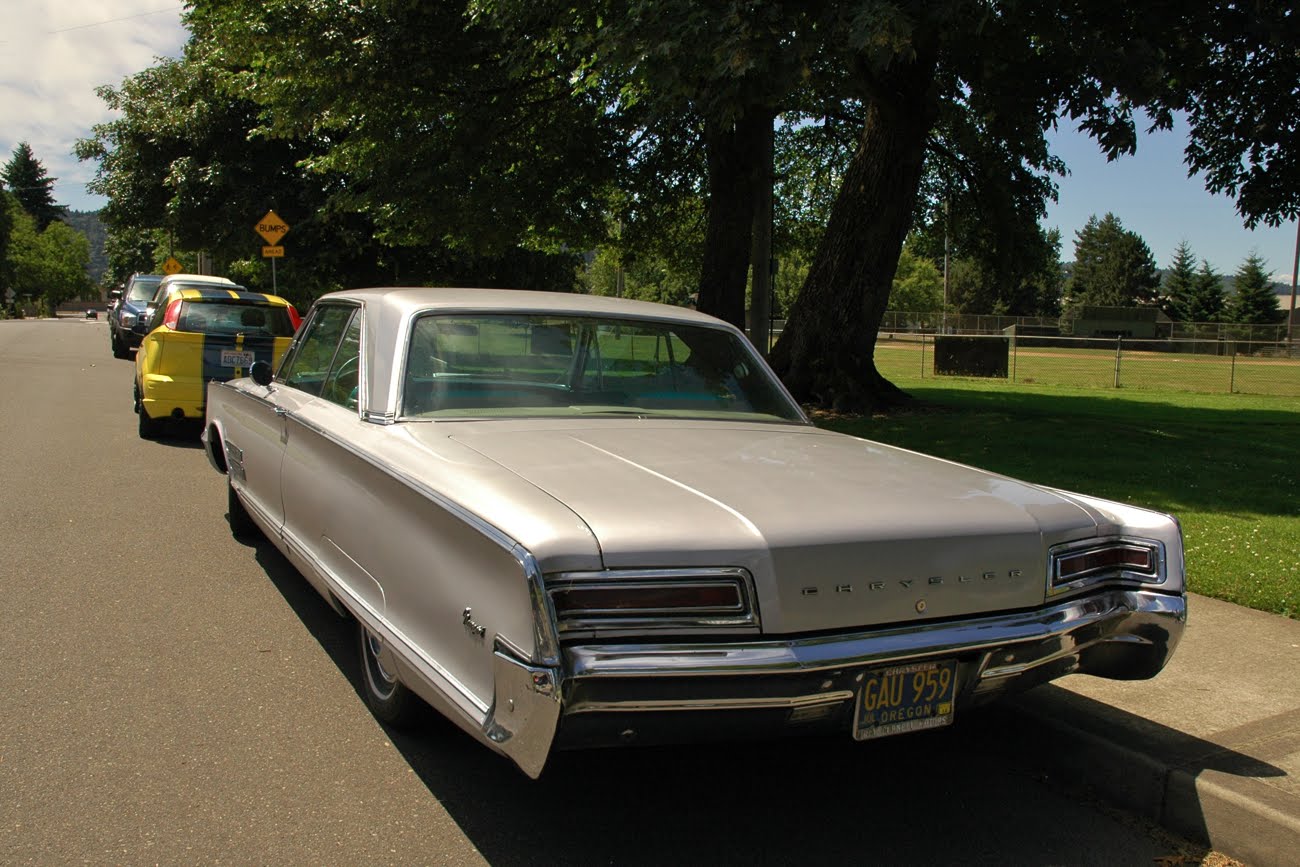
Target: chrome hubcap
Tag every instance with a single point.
(379, 667)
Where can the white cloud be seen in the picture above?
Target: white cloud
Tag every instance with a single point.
(53, 55)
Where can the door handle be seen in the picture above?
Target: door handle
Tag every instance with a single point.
(281, 411)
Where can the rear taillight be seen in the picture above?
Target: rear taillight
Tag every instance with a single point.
(1117, 559)
(294, 317)
(615, 599)
(173, 314)
(629, 601)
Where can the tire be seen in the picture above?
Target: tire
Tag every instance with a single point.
(150, 429)
(389, 700)
(120, 349)
(241, 523)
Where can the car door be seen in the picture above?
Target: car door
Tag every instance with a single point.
(265, 423)
(328, 489)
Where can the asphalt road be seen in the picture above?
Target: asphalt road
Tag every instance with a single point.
(170, 695)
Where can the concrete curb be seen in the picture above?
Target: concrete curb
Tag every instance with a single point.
(1209, 749)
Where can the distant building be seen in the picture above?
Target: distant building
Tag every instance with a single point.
(1146, 323)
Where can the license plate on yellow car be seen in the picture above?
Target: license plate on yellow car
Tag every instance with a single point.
(905, 698)
(236, 358)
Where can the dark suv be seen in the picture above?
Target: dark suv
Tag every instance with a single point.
(123, 318)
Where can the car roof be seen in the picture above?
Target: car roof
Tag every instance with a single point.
(405, 300)
(389, 311)
(203, 294)
(197, 278)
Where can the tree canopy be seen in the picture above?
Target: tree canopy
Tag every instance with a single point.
(50, 264)
(465, 139)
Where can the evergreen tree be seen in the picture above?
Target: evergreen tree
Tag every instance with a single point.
(1205, 301)
(1179, 282)
(34, 189)
(1255, 302)
(1113, 267)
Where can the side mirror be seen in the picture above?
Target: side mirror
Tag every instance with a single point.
(115, 294)
(261, 372)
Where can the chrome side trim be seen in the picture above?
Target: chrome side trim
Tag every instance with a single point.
(707, 704)
(1158, 619)
(545, 629)
(427, 666)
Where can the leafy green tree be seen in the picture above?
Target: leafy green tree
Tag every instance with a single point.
(49, 265)
(496, 123)
(1177, 285)
(918, 284)
(644, 278)
(1238, 88)
(32, 186)
(420, 107)
(1254, 301)
(1205, 301)
(9, 209)
(979, 285)
(1113, 267)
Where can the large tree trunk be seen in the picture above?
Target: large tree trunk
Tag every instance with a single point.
(825, 353)
(733, 155)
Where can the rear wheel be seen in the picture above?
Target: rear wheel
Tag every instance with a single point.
(150, 429)
(389, 700)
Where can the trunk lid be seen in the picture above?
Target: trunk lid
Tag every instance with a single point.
(838, 532)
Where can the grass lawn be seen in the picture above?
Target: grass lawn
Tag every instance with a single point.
(1227, 465)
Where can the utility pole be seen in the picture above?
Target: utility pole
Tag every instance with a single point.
(1295, 271)
(944, 328)
(760, 307)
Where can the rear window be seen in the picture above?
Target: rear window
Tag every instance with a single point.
(232, 317)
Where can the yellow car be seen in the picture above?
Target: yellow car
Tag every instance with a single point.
(204, 334)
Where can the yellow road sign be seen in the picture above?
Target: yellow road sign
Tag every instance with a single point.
(171, 266)
(271, 227)
(273, 252)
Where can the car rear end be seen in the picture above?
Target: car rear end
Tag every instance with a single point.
(205, 336)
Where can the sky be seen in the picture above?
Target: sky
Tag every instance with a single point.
(54, 53)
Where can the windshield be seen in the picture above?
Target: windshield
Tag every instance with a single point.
(512, 365)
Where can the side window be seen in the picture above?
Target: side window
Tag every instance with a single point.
(342, 381)
(313, 355)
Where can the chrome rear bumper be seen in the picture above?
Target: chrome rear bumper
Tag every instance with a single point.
(607, 694)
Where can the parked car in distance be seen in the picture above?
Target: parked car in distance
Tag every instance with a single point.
(205, 334)
(573, 521)
(125, 313)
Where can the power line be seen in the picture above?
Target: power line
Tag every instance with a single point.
(115, 20)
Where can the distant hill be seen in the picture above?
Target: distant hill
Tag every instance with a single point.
(88, 224)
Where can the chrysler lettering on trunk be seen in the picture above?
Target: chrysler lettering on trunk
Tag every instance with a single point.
(917, 583)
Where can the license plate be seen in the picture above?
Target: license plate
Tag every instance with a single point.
(906, 698)
(236, 358)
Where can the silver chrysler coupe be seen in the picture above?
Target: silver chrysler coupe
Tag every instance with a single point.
(570, 521)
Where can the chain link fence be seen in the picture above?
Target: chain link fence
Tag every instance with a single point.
(1195, 364)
